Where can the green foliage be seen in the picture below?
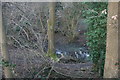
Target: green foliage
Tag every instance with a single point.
(7, 64)
(52, 55)
(96, 34)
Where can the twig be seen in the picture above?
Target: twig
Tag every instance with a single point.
(17, 41)
(62, 73)
(50, 72)
(40, 71)
(41, 23)
(22, 29)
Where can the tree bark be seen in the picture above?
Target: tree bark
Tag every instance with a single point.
(51, 24)
(111, 70)
(7, 71)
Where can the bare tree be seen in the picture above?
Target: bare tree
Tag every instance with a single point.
(111, 70)
(51, 24)
(7, 71)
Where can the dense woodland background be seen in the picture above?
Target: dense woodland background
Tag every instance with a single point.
(55, 40)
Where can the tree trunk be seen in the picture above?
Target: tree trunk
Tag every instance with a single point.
(51, 24)
(111, 70)
(7, 71)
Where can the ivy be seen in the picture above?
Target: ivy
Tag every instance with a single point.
(7, 64)
(96, 33)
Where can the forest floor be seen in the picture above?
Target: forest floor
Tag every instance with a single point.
(29, 64)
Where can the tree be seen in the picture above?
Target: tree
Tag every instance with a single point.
(111, 69)
(50, 32)
(71, 15)
(7, 71)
